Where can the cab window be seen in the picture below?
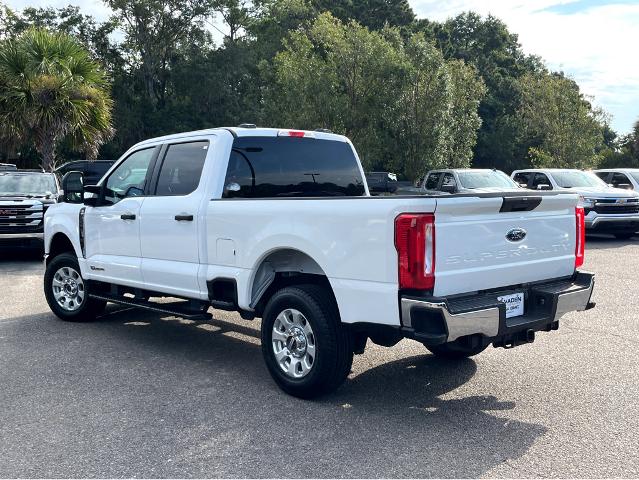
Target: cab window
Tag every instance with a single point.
(182, 168)
(129, 178)
(619, 180)
(541, 179)
(433, 181)
(448, 182)
(522, 178)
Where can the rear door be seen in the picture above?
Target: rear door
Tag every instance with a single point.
(169, 221)
(479, 244)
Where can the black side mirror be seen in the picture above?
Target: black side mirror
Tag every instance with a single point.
(93, 201)
(73, 187)
(448, 188)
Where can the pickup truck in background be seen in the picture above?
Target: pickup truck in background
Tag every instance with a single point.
(624, 178)
(608, 210)
(24, 198)
(279, 224)
(462, 180)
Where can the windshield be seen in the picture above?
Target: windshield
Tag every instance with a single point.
(485, 179)
(21, 184)
(577, 178)
(635, 175)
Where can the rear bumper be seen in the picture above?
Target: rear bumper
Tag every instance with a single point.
(437, 320)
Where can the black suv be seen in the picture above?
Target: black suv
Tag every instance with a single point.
(92, 170)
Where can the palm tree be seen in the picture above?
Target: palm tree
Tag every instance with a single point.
(51, 90)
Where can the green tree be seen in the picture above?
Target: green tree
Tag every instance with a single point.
(373, 14)
(395, 100)
(155, 32)
(559, 125)
(488, 45)
(52, 91)
(336, 76)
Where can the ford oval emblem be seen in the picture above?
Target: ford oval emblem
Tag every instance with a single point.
(516, 235)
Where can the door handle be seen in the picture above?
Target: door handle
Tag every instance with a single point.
(184, 218)
(127, 216)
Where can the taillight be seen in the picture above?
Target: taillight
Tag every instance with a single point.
(580, 246)
(415, 244)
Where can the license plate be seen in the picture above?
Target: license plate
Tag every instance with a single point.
(514, 304)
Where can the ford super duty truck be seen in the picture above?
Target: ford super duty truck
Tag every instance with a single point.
(279, 224)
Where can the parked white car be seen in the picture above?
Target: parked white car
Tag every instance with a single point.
(463, 180)
(608, 210)
(625, 178)
(279, 224)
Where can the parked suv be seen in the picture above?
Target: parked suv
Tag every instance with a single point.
(463, 180)
(608, 210)
(24, 198)
(92, 170)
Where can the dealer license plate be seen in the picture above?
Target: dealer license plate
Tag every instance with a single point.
(514, 304)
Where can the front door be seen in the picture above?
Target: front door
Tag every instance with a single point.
(170, 223)
(113, 229)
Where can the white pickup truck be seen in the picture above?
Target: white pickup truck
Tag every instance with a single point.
(279, 224)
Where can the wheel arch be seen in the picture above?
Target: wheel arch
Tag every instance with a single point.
(283, 267)
(60, 243)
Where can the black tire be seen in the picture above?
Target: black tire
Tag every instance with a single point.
(333, 346)
(88, 308)
(624, 236)
(455, 350)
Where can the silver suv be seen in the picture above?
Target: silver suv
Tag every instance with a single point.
(608, 210)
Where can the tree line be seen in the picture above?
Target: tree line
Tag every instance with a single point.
(412, 94)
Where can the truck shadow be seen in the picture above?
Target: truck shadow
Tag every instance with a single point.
(606, 242)
(406, 418)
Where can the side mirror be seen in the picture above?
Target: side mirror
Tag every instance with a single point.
(625, 186)
(96, 192)
(73, 187)
(448, 188)
(544, 186)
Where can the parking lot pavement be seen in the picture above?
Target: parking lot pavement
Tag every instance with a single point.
(138, 394)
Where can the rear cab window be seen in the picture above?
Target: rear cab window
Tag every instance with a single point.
(541, 179)
(281, 167)
(181, 168)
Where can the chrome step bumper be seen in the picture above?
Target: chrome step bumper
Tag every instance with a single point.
(438, 320)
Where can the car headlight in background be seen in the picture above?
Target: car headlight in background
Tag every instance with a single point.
(586, 202)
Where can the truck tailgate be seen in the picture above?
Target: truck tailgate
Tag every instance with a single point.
(473, 252)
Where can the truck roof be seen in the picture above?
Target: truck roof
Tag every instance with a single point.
(548, 170)
(248, 132)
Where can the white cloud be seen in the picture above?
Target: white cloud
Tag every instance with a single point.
(593, 44)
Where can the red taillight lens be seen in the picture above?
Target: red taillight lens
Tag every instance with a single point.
(580, 246)
(415, 244)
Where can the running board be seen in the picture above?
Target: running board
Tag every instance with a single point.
(178, 309)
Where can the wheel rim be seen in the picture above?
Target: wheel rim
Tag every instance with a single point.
(293, 343)
(68, 289)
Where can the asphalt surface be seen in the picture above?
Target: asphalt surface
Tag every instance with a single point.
(135, 394)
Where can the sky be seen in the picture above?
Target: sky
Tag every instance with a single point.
(593, 41)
